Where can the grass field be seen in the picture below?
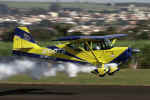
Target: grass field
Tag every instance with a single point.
(45, 5)
(123, 77)
(5, 48)
(26, 4)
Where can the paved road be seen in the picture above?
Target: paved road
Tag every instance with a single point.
(72, 92)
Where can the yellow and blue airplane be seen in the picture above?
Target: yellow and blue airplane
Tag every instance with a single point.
(96, 50)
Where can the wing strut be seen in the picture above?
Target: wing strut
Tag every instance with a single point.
(95, 55)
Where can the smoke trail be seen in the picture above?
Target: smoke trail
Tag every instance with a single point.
(14, 68)
(73, 69)
(37, 69)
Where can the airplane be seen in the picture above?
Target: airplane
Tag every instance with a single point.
(97, 50)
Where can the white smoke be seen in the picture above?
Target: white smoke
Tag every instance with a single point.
(38, 69)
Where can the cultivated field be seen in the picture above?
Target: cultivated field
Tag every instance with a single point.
(46, 5)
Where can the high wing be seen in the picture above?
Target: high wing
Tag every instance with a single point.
(70, 38)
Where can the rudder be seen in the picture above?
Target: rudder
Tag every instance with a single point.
(22, 39)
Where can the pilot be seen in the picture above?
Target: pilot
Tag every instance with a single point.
(98, 48)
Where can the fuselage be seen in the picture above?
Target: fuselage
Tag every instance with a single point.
(68, 54)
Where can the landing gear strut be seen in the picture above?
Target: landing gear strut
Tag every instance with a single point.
(109, 69)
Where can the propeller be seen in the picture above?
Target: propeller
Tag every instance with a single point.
(134, 58)
(135, 51)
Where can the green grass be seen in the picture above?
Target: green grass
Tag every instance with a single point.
(26, 4)
(133, 43)
(123, 77)
(5, 48)
(45, 5)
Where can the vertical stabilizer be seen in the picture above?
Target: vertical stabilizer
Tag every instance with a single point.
(23, 39)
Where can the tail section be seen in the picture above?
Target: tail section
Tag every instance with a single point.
(23, 39)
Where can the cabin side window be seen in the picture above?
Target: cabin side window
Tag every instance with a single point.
(79, 46)
(94, 45)
(101, 45)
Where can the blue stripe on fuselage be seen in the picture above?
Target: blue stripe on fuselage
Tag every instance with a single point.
(19, 53)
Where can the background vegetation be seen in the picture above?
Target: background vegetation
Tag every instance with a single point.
(123, 77)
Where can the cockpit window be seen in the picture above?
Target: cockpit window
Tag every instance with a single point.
(79, 46)
(101, 45)
(94, 45)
